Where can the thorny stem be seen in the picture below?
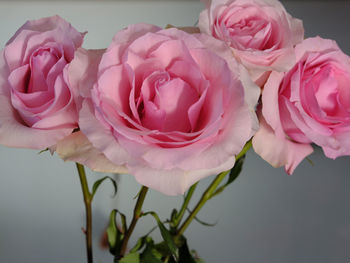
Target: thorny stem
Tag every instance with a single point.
(87, 201)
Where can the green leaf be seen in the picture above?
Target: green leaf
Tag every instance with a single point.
(163, 249)
(130, 258)
(185, 254)
(234, 173)
(112, 231)
(100, 181)
(139, 244)
(114, 235)
(173, 215)
(202, 222)
(166, 235)
(150, 254)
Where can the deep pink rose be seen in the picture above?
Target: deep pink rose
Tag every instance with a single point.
(308, 104)
(163, 106)
(36, 104)
(260, 33)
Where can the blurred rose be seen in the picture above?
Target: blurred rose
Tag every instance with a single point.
(163, 106)
(36, 104)
(260, 33)
(308, 104)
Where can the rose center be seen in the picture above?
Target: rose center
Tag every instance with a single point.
(41, 63)
(328, 87)
(164, 103)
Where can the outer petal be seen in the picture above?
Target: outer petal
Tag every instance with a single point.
(344, 140)
(100, 136)
(77, 148)
(82, 71)
(204, 23)
(48, 24)
(4, 73)
(297, 30)
(14, 133)
(278, 151)
(176, 181)
(260, 61)
(270, 109)
(120, 42)
(315, 44)
(35, 33)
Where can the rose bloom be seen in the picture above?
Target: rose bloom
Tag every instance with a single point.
(260, 33)
(161, 106)
(36, 105)
(308, 104)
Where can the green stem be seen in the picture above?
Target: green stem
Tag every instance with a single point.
(87, 201)
(136, 216)
(210, 192)
(245, 149)
(184, 205)
(205, 197)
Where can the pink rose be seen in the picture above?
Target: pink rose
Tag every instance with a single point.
(308, 104)
(36, 105)
(260, 33)
(163, 106)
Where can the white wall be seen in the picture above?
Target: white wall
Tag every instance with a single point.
(265, 216)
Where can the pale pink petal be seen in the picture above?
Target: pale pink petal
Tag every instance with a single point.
(101, 137)
(170, 51)
(77, 148)
(297, 29)
(13, 133)
(188, 39)
(343, 137)
(175, 181)
(39, 32)
(82, 71)
(251, 90)
(279, 151)
(270, 108)
(121, 41)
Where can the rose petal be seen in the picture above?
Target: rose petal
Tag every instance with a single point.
(278, 151)
(176, 181)
(13, 133)
(77, 148)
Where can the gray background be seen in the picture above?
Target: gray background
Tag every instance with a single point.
(265, 216)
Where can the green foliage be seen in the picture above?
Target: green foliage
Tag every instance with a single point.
(174, 248)
(114, 235)
(146, 251)
(100, 181)
(185, 256)
(165, 234)
(234, 173)
(130, 258)
(202, 222)
(150, 254)
(140, 244)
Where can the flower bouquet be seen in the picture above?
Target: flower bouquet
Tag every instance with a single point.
(171, 106)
